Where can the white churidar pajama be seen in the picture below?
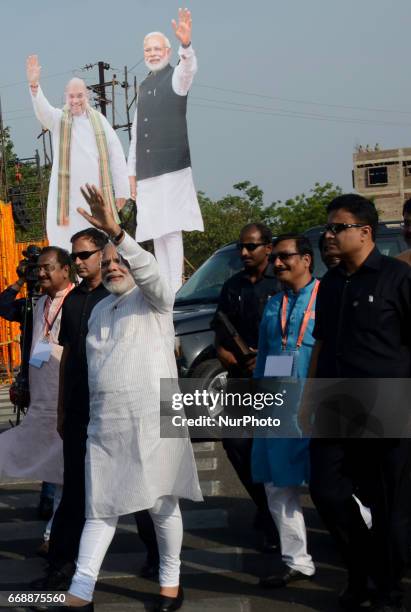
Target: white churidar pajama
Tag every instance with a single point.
(129, 466)
(285, 508)
(84, 168)
(98, 534)
(168, 203)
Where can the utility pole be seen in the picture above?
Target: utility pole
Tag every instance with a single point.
(102, 86)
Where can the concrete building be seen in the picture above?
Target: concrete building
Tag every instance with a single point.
(384, 176)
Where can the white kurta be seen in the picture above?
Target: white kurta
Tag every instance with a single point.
(34, 450)
(130, 347)
(84, 168)
(167, 203)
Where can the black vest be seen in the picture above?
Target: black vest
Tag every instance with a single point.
(162, 140)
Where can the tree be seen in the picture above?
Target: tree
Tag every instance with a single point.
(304, 211)
(223, 219)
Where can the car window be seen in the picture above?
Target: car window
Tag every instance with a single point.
(206, 284)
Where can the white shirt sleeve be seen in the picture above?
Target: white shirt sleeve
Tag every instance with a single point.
(47, 115)
(118, 165)
(132, 151)
(184, 71)
(145, 271)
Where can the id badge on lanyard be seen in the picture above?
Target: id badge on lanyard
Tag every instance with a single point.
(285, 365)
(41, 353)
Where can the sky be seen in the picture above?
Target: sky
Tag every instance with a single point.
(284, 92)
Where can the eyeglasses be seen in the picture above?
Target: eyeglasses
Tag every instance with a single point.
(282, 255)
(83, 255)
(336, 228)
(50, 267)
(250, 246)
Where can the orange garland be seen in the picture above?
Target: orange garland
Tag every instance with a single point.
(10, 255)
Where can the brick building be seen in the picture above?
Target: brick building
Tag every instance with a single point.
(384, 176)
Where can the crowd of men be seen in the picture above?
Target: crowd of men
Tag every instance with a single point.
(101, 346)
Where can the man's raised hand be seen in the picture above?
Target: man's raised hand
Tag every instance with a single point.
(33, 69)
(183, 28)
(101, 213)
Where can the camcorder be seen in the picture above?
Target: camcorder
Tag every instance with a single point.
(27, 270)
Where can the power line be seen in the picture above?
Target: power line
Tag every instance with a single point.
(300, 101)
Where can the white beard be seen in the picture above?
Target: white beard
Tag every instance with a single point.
(156, 67)
(119, 287)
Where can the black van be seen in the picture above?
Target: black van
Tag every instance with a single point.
(196, 302)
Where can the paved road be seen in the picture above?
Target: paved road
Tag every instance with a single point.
(221, 560)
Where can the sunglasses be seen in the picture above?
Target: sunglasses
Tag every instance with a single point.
(282, 256)
(83, 255)
(250, 246)
(336, 228)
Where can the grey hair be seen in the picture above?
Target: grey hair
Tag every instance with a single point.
(76, 81)
(163, 36)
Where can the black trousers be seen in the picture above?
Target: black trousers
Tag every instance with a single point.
(238, 451)
(379, 471)
(69, 518)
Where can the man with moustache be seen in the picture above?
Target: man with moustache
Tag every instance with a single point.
(362, 331)
(243, 299)
(282, 464)
(73, 417)
(159, 163)
(33, 450)
(129, 466)
(86, 148)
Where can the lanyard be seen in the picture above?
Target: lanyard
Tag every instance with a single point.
(306, 318)
(47, 305)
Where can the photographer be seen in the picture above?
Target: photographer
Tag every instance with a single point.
(33, 450)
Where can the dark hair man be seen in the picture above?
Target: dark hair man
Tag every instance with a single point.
(74, 412)
(243, 299)
(282, 464)
(362, 330)
(33, 450)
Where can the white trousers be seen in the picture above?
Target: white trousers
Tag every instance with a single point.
(58, 492)
(169, 253)
(285, 508)
(98, 533)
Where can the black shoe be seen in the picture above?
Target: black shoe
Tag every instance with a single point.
(149, 570)
(86, 608)
(168, 604)
(352, 598)
(55, 579)
(45, 508)
(279, 581)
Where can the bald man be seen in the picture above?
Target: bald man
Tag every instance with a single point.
(86, 150)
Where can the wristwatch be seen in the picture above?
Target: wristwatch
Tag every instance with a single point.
(116, 240)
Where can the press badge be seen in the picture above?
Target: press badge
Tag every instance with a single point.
(41, 353)
(283, 366)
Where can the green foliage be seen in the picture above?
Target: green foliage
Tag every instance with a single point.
(223, 219)
(304, 211)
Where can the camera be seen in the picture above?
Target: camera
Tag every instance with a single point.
(27, 268)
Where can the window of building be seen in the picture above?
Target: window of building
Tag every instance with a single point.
(378, 175)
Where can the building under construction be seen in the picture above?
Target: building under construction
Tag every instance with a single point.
(385, 177)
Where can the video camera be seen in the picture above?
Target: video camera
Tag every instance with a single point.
(27, 268)
(27, 271)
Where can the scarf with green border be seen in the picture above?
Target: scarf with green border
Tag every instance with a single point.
(106, 183)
